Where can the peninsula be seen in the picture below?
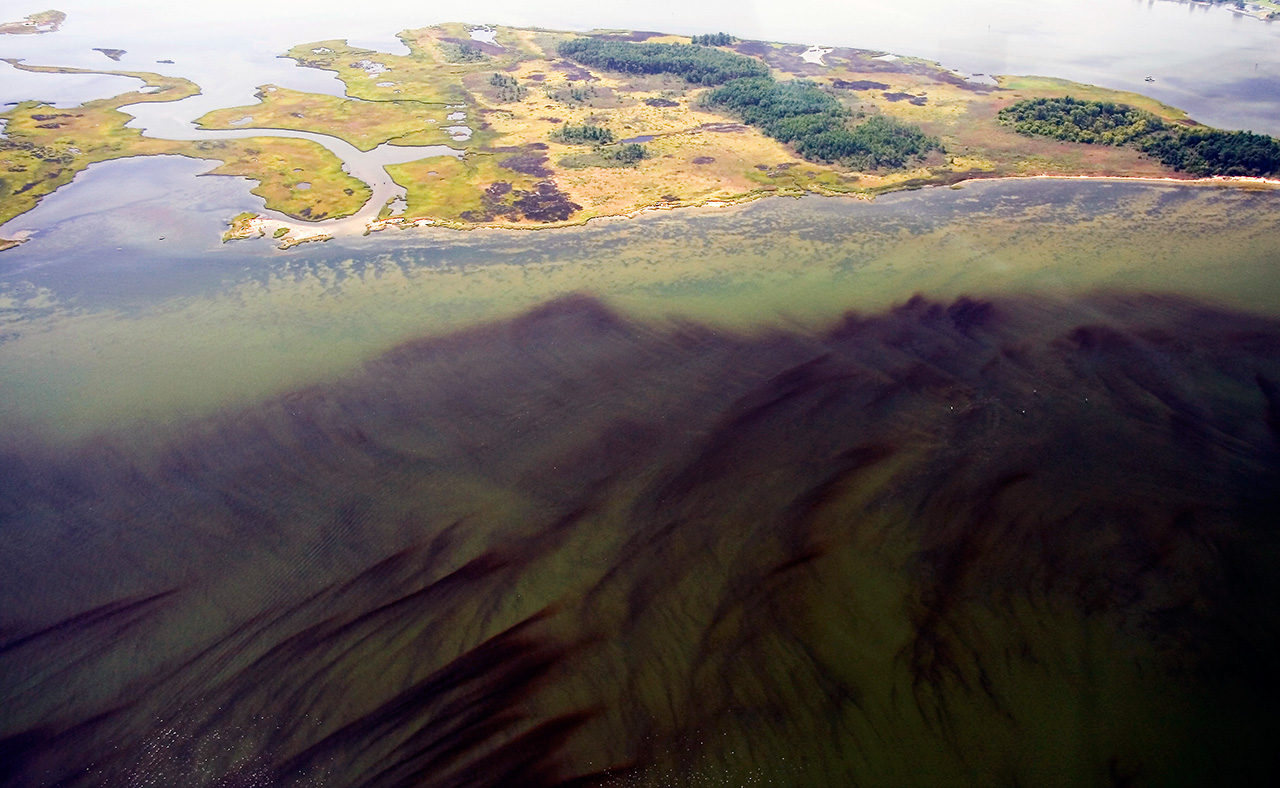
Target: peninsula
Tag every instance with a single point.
(554, 128)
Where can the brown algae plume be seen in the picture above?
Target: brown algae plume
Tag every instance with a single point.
(966, 542)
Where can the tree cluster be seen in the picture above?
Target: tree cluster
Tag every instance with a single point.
(798, 112)
(630, 153)
(1074, 120)
(465, 52)
(696, 64)
(714, 40)
(586, 134)
(812, 121)
(508, 88)
(605, 154)
(582, 95)
(1217, 152)
(1198, 150)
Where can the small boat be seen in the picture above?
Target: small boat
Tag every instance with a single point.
(1150, 79)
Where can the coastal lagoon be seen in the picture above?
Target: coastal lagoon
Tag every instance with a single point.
(959, 486)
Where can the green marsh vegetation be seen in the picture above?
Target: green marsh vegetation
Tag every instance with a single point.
(797, 113)
(407, 99)
(1196, 150)
(45, 147)
(363, 123)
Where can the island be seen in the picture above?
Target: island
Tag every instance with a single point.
(43, 22)
(548, 128)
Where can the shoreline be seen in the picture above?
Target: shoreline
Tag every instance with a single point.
(258, 226)
(1267, 12)
(971, 154)
(262, 227)
(1237, 181)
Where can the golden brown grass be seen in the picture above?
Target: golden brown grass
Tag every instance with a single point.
(695, 156)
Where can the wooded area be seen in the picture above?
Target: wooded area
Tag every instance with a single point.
(804, 116)
(586, 134)
(1197, 150)
(798, 112)
(714, 40)
(697, 64)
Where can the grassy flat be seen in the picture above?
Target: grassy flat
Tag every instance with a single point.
(697, 157)
(296, 177)
(364, 124)
(46, 147)
(513, 94)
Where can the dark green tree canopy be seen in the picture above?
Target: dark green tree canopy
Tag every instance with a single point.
(697, 64)
(714, 40)
(801, 114)
(1098, 122)
(796, 112)
(586, 134)
(1198, 150)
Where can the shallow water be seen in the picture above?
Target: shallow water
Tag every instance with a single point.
(60, 90)
(199, 324)
(1010, 541)
(1199, 55)
(970, 486)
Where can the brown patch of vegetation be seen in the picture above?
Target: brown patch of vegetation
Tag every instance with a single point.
(919, 101)
(528, 164)
(488, 49)
(858, 84)
(574, 72)
(753, 48)
(546, 203)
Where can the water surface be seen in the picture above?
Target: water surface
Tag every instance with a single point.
(971, 486)
(200, 324)
(1220, 67)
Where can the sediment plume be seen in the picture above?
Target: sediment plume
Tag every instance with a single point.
(1017, 541)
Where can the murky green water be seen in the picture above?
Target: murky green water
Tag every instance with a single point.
(227, 325)
(960, 487)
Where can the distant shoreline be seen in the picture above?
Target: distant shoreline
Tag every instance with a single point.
(514, 173)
